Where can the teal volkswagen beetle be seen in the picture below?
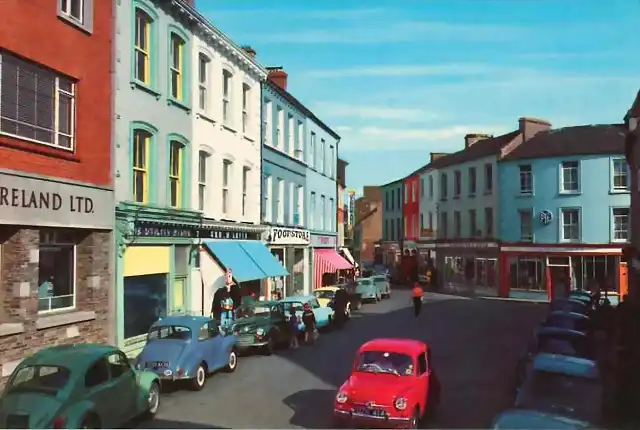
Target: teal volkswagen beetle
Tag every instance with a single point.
(368, 290)
(77, 386)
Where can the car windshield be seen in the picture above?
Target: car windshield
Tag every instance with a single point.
(256, 309)
(379, 279)
(385, 362)
(365, 282)
(296, 306)
(570, 396)
(46, 379)
(169, 332)
(324, 294)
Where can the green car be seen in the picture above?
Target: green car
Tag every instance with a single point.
(261, 325)
(77, 386)
(368, 290)
(382, 284)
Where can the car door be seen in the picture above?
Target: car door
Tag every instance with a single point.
(322, 314)
(281, 327)
(214, 345)
(423, 376)
(123, 380)
(101, 392)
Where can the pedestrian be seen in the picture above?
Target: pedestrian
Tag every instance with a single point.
(293, 324)
(417, 298)
(309, 321)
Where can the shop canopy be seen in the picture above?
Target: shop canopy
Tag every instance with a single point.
(248, 260)
(348, 256)
(327, 261)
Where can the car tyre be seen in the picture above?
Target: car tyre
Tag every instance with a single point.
(232, 362)
(153, 401)
(330, 323)
(91, 421)
(200, 378)
(414, 423)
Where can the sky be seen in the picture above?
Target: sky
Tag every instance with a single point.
(400, 79)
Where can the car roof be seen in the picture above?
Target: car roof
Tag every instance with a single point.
(560, 332)
(365, 279)
(410, 346)
(192, 322)
(76, 355)
(517, 419)
(566, 365)
(302, 299)
(574, 315)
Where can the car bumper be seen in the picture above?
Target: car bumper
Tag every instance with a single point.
(251, 342)
(369, 420)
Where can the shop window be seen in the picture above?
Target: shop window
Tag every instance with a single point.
(145, 301)
(277, 287)
(298, 270)
(56, 270)
(592, 272)
(527, 273)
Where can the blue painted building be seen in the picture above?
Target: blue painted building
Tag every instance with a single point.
(564, 211)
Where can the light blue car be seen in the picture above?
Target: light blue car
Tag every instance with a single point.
(522, 419)
(324, 315)
(368, 290)
(382, 284)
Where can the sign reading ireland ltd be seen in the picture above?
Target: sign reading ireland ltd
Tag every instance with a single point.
(287, 236)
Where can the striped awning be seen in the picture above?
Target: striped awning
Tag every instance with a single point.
(327, 261)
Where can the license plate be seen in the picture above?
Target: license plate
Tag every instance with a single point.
(17, 421)
(158, 364)
(369, 411)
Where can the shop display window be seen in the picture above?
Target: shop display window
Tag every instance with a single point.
(56, 270)
(527, 273)
(145, 301)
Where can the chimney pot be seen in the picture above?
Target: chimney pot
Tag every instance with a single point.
(249, 50)
(436, 155)
(473, 138)
(529, 126)
(278, 76)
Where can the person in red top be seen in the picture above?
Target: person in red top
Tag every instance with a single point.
(417, 293)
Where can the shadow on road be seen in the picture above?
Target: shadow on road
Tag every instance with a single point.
(170, 424)
(476, 344)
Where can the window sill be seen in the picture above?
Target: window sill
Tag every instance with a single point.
(135, 84)
(46, 321)
(472, 196)
(625, 191)
(179, 104)
(9, 329)
(569, 193)
(488, 192)
(525, 195)
(205, 117)
(246, 137)
(613, 241)
(75, 23)
(229, 128)
(21, 144)
(456, 197)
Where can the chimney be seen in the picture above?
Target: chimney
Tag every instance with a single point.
(278, 76)
(473, 138)
(529, 127)
(249, 50)
(191, 3)
(436, 155)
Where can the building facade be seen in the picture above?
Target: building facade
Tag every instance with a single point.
(284, 183)
(367, 247)
(565, 213)
(343, 215)
(411, 212)
(632, 153)
(429, 205)
(56, 197)
(392, 221)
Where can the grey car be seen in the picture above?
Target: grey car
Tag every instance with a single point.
(368, 290)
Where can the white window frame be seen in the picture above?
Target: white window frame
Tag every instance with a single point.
(227, 172)
(488, 178)
(323, 212)
(55, 243)
(473, 181)
(246, 172)
(430, 187)
(58, 93)
(562, 224)
(526, 179)
(413, 192)
(444, 188)
(300, 207)
(203, 157)
(280, 202)
(246, 107)
(321, 159)
(268, 198)
(457, 184)
(280, 129)
(204, 63)
(84, 21)
(227, 91)
(66, 9)
(291, 150)
(299, 152)
(267, 121)
(312, 213)
(614, 231)
(616, 164)
(525, 217)
(332, 151)
(565, 167)
(292, 196)
(312, 150)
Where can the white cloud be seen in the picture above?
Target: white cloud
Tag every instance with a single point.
(346, 110)
(403, 70)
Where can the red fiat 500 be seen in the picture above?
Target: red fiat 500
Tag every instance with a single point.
(392, 384)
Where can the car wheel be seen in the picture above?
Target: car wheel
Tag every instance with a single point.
(90, 422)
(414, 422)
(153, 400)
(330, 323)
(200, 378)
(232, 363)
(349, 310)
(269, 347)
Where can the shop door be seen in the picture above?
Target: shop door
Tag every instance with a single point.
(624, 280)
(177, 296)
(559, 281)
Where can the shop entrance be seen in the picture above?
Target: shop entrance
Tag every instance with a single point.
(559, 276)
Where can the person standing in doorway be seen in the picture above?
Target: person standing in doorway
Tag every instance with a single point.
(417, 299)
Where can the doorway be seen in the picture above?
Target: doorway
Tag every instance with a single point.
(559, 279)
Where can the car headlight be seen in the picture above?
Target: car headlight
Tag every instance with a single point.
(341, 397)
(401, 403)
(260, 332)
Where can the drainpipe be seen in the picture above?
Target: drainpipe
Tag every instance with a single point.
(112, 318)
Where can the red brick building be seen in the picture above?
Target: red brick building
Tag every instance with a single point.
(411, 210)
(56, 197)
(368, 225)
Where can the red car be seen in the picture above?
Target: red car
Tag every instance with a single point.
(392, 384)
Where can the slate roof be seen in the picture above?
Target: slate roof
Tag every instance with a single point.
(569, 141)
(634, 111)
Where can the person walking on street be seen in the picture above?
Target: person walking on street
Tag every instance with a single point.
(309, 321)
(417, 298)
(293, 324)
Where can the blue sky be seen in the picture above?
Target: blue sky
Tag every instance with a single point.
(400, 79)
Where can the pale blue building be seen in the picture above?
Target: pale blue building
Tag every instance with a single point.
(564, 210)
(392, 221)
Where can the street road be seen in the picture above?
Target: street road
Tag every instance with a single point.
(475, 347)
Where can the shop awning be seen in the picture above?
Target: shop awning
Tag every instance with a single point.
(261, 255)
(233, 256)
(348, 256)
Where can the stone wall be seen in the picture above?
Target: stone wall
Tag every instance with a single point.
(22, 329)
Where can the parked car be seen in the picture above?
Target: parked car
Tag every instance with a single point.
(326, 295)
(563, 385)
(392, 384)
(355, 299)
(77, 386)
(523, 419)
(569, 321)
(382, 284)
(261, 325)
(324, 316)
(570, 305)
(368, 290)
(582, 296)
(188, 348)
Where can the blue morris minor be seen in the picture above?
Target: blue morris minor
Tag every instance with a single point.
(188, 348)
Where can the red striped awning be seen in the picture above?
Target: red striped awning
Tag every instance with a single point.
(327, 261)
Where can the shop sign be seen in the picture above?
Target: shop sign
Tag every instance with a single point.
(159, 229)
(287, 236)
(40, 202)
(469, 245)
(323, 241)
(546, 217)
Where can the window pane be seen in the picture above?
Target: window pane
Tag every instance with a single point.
(56, 277)
(138, 178)
(202, 168)
(65, 113)
(175, 159)
(202, 73)
(175, 81)
(141, 66)
(174, 192)
(201, 195)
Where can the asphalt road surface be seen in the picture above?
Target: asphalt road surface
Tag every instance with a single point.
(475, 345)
